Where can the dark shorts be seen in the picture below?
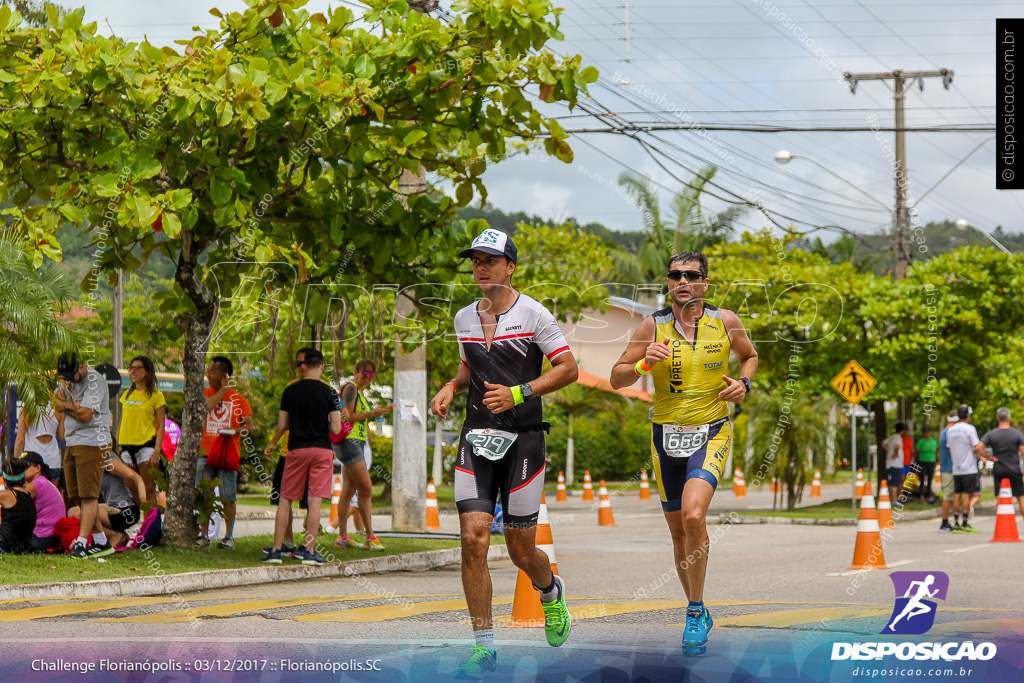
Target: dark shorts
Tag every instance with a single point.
(517, 479)
(349, 451)
(124, 518)
(275, 485)
(45, 545)
(1016, 483)
(895, 477)
(228, 489)
(967, 483)
(672, 472)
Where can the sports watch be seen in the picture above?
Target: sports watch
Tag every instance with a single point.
(527, 391)
(746, 383)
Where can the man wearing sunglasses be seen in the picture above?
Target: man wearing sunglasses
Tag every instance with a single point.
(686, 348)
(503, 340)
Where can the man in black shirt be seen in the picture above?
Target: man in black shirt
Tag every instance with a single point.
(310, 412)
(1007, 446)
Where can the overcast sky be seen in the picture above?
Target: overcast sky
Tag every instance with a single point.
(746, 62)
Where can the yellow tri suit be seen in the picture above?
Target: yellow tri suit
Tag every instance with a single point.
(691, 435)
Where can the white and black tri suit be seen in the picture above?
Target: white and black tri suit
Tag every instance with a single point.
(523, 336)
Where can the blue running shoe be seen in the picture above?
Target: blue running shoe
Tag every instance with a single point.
(480, 662)
(695, 636)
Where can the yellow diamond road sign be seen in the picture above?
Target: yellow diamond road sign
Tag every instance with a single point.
(853, 382)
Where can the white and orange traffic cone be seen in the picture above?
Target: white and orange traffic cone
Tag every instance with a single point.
(937, 482)
(884, 507)
(526, 609)
(604, 508)
(859, 491)
(645, 486)
(867, 553)
(588, 486)
(560, 495)
(335, 518)
(816, 485)
(739, 486)
(433, 519)
(1006, 520)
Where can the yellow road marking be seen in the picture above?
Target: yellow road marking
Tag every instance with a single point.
(230, 609)
(609, 609)
(76, 608)
(795, 617)
(385, 612)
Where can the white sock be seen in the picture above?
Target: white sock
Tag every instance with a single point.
(485, 638)
(100, 538)
(82, 539)
(548, 596)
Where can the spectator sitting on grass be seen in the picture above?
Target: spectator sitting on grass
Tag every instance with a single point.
(19, 510)
(48, 501)
(117, 511)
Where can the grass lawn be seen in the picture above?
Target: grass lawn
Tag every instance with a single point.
(163, 560)
(838, 509)
(256, 496)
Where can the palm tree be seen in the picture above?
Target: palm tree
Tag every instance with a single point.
(687, 229)
(32, 301)
(575, 400)
(793, 455)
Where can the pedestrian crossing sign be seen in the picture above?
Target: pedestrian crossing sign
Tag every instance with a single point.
(853, 382)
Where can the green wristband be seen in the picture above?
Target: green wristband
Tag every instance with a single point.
(517, 394)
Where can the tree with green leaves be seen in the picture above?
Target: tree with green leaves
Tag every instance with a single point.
(34, 304)
(274, 143)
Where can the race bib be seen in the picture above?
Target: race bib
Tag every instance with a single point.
(682, 442)
(492, 444)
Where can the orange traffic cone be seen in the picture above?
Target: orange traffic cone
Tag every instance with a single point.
(816, 485)
(859, 491)
(1006, 520)
(560, 496)
(739, 486)
(604, 508)
(937, 485)
(335, 519)
(867, 553)
(775, 485)
(433, 520)
(884, 507)
(526, 609)
(588, 487)
(645, 486)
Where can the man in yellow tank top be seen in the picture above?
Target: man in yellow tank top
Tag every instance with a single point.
(686, 348)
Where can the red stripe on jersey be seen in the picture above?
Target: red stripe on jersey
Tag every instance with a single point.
(513, 336)
(464, 363)
(473, 339)
(540, 473)
(462, 469)
(557, 351)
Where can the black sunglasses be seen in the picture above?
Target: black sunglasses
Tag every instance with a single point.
(299, 363)
(690, 275)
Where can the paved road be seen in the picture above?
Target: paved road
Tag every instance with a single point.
(772, 588)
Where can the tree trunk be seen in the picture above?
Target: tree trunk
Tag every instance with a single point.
(179, 526)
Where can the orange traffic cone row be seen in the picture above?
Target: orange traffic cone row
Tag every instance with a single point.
(775, 485)
(1006, 520)
(867, 553)
(604, 508)
(433, 520)
(739, 486)
(645, 486)
(560, 496)
(526, 609)
(884, 507)
(335, 518)
(859, 491)
(816, 485)
(588, 486)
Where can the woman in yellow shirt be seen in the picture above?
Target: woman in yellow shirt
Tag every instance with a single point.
(142, 421)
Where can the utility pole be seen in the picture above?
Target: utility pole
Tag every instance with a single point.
(118, 341)
(409, 464)
(902, 81)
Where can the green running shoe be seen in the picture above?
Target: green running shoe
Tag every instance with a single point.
(557, 620)
(480, 662)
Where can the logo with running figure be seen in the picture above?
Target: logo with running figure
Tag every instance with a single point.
(914, 613)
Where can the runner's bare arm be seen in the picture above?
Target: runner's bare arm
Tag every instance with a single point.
(735, 391)
(443, 398)
(564, 371)
(641, 346)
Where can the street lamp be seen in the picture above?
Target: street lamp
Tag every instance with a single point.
(962, 224)
(784, 157)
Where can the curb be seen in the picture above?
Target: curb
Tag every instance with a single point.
(173, 584)
(735, 518)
